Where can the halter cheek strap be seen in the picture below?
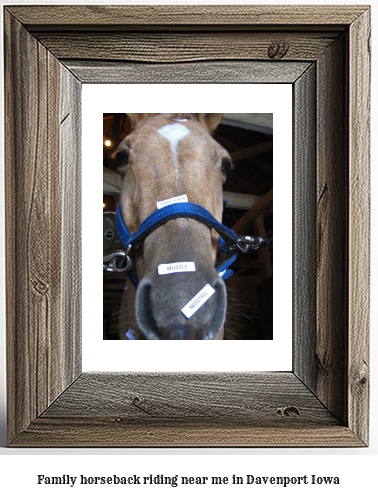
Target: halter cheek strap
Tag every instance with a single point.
(229, 243)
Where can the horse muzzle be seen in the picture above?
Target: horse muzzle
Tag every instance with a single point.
(159, 305)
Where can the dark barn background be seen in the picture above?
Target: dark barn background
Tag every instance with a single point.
(249, 210)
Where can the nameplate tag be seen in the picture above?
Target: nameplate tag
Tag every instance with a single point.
(177, 199)
(177, 267)
(198, 301)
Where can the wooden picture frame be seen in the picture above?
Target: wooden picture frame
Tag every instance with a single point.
(324, 52)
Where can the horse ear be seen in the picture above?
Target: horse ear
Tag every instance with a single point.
(211, 120)
(137, 117)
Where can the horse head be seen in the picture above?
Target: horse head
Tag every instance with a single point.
(165, 156)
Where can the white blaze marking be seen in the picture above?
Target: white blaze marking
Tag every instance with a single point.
(198, 301)
(177, 199)
(174, 133)
(177, 267)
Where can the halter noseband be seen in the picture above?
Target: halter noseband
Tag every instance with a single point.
(229, 243)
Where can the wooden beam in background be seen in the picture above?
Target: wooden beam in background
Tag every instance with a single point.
(263, 206)
(252, 151)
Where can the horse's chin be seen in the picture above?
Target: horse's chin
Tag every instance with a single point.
(169, 323)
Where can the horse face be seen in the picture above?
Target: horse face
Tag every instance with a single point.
(162, 159)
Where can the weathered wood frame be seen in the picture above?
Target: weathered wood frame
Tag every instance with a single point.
(49, 53)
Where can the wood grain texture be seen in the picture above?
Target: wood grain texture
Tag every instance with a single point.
(32, 318)
(304, 227)
(223, 397)
(359, 226)
(100, 432)
(199, 72)
(173, 16)
(324, 401)
(263, 206)
(197, 409)
(332, 230)
(34, 240)
(70, 164)
(183, 47)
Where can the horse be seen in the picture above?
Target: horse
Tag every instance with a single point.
(164, 157)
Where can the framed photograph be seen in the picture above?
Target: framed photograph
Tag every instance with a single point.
(244, 180)
(51, 54)
(248, 201)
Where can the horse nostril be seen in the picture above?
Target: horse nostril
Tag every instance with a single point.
(144, 312)
(219, 313)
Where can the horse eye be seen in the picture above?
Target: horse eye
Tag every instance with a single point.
(122, 157)
(226, 165)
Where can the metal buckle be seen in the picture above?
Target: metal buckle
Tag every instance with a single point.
(118, 261)
(247, 243)
(250, 243)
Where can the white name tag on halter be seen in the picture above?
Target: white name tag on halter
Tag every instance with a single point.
(177, 267)
(177, 199)
(198, 301)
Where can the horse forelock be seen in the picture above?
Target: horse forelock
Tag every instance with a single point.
(178, 116)
(210, 120)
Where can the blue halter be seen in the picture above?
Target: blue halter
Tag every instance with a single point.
(228, 241)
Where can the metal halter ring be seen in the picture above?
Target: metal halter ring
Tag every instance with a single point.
(246, 243)
(118, 261)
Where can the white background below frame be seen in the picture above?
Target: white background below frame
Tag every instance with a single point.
(230, 356)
